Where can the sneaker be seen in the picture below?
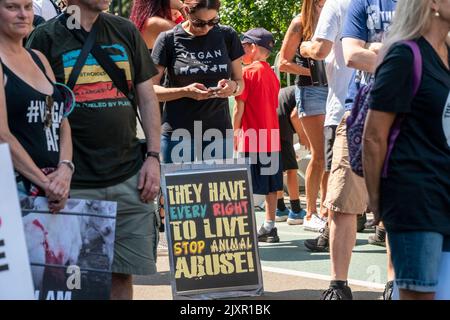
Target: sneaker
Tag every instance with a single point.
(343, 293)
(379, 238)
(281, 216)
(268, 236)
(321, 243)
(388, 290)
(361, 222)
(295, 218)
(314, 223)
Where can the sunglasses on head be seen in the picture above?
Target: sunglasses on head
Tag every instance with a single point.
(48, 121)
(201, 23)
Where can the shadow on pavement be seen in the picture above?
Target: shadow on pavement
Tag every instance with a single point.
(308, 294)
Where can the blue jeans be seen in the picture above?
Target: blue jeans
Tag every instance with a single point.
(183, 150)
(416, 257)
(311, 101)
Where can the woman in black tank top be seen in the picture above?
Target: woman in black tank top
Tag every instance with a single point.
(31, 111)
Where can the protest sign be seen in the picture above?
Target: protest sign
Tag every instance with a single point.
(70, 252)
(15, 274)
(212, 239)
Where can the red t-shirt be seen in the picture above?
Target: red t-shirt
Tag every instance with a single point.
(260, 119)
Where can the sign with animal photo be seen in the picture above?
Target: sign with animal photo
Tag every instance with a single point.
(70, 252)
(212, 239)
(15, 274)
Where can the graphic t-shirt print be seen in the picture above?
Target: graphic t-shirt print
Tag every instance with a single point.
(378, 22)
(37, 113)
(209, 62)
(94, 86)
(446, 120)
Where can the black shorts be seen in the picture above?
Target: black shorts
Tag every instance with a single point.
(288, 158)
(267, 176)
(329, 133)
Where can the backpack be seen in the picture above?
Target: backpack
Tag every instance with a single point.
(360, 108)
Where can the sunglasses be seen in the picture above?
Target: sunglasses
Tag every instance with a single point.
(48, 112)
(201, 23)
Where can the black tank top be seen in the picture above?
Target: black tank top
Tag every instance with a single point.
(306, 81)
(27, 111)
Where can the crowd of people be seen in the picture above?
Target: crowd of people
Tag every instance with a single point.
(173, 66)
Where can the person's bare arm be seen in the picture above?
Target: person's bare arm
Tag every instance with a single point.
(375, 138)
(318, 49)
(238, 112)
(290, 44)
(195, 90)
(228, 86)
(149, 178)
(153, 27)
(358, 56)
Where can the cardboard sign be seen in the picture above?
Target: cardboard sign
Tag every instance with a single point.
(70, 252)
(212, 240)
(15, 274)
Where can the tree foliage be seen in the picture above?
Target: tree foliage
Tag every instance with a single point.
(273, 15)
(242, 15)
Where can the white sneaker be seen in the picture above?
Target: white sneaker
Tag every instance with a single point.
(314, 223)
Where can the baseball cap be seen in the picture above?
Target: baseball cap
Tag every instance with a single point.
(260, 37)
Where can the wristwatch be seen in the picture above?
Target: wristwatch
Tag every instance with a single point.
(152, 154)
(69, 164)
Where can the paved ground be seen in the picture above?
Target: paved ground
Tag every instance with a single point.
(289, 270)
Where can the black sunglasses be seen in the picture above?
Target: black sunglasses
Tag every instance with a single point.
(201, 23)
(48, 111)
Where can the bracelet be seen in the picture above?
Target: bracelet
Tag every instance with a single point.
(69, 164)
(152, 154)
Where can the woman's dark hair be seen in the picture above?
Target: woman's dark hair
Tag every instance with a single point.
(144, 9)
(195, 5)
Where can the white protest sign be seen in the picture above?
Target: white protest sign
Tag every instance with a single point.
(15, 274)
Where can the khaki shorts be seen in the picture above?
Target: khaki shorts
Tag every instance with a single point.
(137, 236)
(347, 191)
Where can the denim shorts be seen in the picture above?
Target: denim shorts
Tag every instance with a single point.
(311, 101)
(416, 257)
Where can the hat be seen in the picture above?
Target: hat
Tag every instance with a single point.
(260, 37)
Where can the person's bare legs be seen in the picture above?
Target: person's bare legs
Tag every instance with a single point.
(390, 266)
(414, 295)
(292, 184)
(280, 195)
(313, 127)
(121, 286)
(323, 194)
(271, 206)
(298, 127)
(342, 241)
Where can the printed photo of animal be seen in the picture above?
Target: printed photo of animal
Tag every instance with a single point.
(82, 235)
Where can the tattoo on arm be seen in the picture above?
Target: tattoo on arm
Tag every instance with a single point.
(296, 28)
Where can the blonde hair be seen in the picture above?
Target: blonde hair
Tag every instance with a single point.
(412, 20)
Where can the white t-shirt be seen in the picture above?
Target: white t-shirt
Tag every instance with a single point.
(329, 27)
(44, 8)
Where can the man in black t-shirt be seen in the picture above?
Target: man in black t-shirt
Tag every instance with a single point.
(106, 151)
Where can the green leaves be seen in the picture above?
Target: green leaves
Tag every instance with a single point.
(242, 15)
(273, 15)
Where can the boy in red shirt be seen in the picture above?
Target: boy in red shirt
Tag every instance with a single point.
(255, 122)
